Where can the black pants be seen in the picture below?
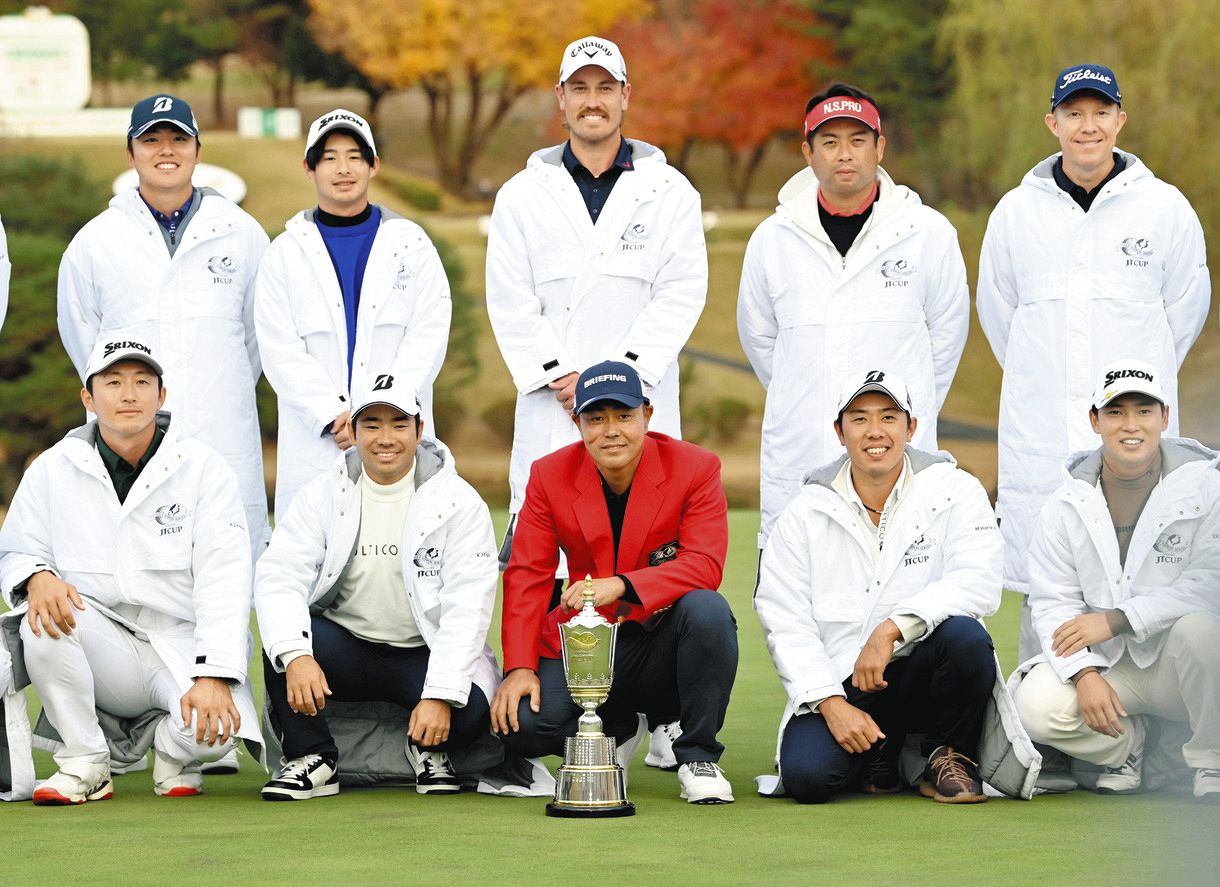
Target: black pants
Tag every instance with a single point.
(940, 690)
(682, 670)
(362, 671)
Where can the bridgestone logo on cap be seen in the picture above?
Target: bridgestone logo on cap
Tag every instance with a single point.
(112, 347)
(610, 377)
(1114, 375)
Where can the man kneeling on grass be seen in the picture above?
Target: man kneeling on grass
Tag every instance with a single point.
(1124, 576)
(870, 593)
(379, 585)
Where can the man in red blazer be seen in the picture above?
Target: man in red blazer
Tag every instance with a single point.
(645, 516)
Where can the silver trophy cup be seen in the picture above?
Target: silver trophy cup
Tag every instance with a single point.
(590, 783)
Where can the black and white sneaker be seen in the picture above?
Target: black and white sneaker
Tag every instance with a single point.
(703, 782)
(434, 773)
(311, 776)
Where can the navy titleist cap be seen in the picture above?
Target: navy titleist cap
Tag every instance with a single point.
(1095, 78)
(608, 380)
(162, 109)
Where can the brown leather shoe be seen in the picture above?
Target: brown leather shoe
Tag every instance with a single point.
(952, 778)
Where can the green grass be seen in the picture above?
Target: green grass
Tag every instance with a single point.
(392, 835)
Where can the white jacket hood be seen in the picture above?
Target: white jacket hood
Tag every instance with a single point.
(1175, 452)
(824, 475)
(1042, 177)
(641, 152)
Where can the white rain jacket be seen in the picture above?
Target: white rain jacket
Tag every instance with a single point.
(564, 294)
(449, 568)
(1172, 566)
(6, 270)
(172, 563)
(819, 595)
(402, 326)
(810, 319)
(195, 310)
(1061, 294)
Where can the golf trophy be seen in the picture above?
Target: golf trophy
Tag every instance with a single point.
(590, 783)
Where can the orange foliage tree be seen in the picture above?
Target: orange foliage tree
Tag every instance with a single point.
(730, 72)
(473, 59)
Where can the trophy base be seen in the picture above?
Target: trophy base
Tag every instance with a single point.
(590, 784)
(626, 809)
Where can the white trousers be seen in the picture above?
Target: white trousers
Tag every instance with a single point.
(102, 665)
(1183, 685)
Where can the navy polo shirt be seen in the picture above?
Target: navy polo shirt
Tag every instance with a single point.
(596, 189)
(1080, 195)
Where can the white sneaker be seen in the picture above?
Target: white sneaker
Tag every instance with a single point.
(174, 780)
(434, 773)
(226, 766)
(63, 789)
(309, 776)
(1207, 786)
(661, 746)
(1125, 778)
(703, 783)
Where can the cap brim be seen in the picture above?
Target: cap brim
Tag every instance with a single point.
(413, 410)
(190, 131)
(147, 361)
(345, 125)
(627, 400)
(870, 388)
(1076, 90)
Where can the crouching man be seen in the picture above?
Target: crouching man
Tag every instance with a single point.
(645, 516)
(870, 593)
(128, 548)
(379, 585)
(1125, 593)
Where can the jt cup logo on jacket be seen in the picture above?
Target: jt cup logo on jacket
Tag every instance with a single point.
(1137, 250)
(1170, 548)
(402, 277)
(915, 554)
(429, 561)
(170, 518)
(896, 272)
(634, 238)
(222, 269)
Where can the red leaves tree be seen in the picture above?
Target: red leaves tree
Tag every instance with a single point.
(730, 72)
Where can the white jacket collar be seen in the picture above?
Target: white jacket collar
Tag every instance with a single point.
(1085, 466)
(432, 459)
(641, 153)
(1042, 178)
(798, 201)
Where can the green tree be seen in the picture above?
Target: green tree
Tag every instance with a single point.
(1007, 53)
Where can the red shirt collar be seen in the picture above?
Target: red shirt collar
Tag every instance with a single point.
(868, 201)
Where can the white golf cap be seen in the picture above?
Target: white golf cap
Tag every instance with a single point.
(880, 381)
(107, 352)
(384, 390)
(340, 119)
(1127, 377)
(593, 51)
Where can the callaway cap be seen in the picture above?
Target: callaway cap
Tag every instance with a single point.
(593, 51)
(162, 109)
(838, 106)
(608, 380)
(340, 119)
(882, 382)
(107, 352)
(1127, 377)
(385, 391)
(1095, 78)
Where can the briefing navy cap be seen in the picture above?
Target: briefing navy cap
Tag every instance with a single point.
(385, 390)
(162, 108)
(1095, 78)
(107, 352)
(608, 380)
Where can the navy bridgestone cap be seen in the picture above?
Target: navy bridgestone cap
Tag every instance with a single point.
(1077, 78)
(609, 380)
(162, 108)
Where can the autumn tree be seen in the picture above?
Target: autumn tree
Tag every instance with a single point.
(473, 59)
(735, 73)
